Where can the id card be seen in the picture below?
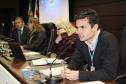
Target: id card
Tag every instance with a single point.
(92, 68)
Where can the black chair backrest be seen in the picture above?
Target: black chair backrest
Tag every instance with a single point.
(51, 36)
(122, 57)
(121, 78)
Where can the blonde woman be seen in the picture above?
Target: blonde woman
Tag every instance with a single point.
(65, 41)
(37, 36)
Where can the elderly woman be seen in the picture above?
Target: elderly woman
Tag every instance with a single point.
(65, 41)
(37, 36)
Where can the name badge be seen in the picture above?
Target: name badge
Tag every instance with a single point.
(92, 68)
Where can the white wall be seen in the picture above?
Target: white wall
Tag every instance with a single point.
(53, 10)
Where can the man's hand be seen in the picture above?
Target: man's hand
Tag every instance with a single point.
(70, 74)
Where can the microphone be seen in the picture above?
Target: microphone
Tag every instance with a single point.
(2, 28)
(13, 23)
(2, 24)
(55, 79)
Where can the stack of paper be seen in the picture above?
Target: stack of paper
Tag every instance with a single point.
(44, 61)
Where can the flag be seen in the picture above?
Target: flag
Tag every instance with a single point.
(36, 11)
(30, 12)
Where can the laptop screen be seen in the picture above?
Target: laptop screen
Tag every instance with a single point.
(16, 50)
(19, 54)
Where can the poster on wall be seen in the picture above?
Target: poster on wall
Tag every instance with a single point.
(53, 10)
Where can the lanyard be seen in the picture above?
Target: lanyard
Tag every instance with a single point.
(91, 56)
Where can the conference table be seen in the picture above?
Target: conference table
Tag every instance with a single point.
(15, 66)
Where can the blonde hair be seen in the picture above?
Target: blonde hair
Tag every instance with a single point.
(37, 27)
(69, 28)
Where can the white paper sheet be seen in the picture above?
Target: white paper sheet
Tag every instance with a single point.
(31, 53)
(93, 82)
(55, 71)
(44, 61)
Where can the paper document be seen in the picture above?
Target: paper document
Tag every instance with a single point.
(44, 61)
(31, 53)
(93, 82)
(55, 71)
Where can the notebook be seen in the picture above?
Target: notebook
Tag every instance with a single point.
(18, 53)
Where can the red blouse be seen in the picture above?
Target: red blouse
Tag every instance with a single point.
(66, 46)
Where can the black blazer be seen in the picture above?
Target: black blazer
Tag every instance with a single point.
(25, 33)
(36, 41)
(105, 58)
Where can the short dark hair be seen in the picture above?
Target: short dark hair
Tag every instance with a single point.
(90, 14)
(19, 18)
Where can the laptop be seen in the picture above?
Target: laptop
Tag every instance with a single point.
(19, 54)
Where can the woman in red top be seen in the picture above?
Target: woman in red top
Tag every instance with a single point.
(65, 41)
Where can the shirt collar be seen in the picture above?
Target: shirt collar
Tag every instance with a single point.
(22, 28)
(93, 44)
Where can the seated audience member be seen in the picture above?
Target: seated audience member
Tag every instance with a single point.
(37, 36)
(96, 51)
(20, 32)
(65, 41)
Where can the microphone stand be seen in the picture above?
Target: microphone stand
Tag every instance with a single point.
(53, 79)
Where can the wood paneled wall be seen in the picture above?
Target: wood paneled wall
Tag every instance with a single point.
(112, 13)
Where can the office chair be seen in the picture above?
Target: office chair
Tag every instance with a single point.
(51, 36)
(121, 78)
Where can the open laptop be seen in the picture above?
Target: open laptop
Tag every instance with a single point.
(18, 53)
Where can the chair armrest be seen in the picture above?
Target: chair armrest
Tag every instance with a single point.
(121, 79)
(67, 59)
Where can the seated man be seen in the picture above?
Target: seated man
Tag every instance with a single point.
(96, 49)
(20, 32)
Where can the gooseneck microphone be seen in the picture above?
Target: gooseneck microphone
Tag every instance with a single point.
(2, 28)
(54, 79)
(50, 75)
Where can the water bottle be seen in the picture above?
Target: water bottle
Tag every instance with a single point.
(28, 72)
